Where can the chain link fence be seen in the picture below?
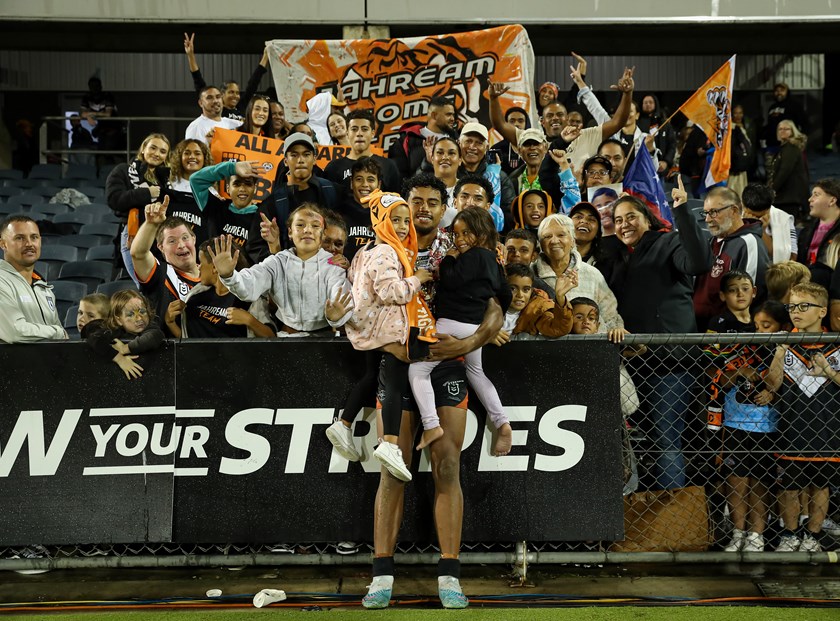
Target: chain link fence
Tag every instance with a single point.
(716, 459)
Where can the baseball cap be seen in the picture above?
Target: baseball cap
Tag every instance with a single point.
(531, 133)
(475, 128)
(297, 138)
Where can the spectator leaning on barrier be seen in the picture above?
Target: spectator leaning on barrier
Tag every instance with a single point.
(558, 256)
(806, 378)
(735, 244)
(651, 273)
(167, 284)
(301, 280)
(27, 304)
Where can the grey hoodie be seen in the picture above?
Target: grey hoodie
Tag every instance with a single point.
(299, 288)
(27, 312)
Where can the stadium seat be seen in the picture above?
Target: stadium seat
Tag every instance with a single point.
(91, 273)
(25, 201)
(100, 253)
(7, 209)
(48, 270)
(84, 241)
(97, 209)
(105, 171)
(10, 173)
(7, 191)
(46, 191)
(110, 288)
(85, 172)
(45, 171)
(67, 293)
(94, 194)
(70, 321)
(74, 218)
(106, 229)
(59, 252)
(53, 209)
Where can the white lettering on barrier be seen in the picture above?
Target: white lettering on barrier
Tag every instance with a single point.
(134, 438)
(30, 428)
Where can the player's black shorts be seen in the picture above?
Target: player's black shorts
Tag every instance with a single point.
(805, 474)
(449, 381)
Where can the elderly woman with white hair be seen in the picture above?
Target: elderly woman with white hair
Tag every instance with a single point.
(558, 255)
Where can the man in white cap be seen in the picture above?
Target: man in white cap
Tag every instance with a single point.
(474, 143)
(532, 147)
(294, 185)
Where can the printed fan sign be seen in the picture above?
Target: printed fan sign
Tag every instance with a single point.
(398, 77)
(232, 145)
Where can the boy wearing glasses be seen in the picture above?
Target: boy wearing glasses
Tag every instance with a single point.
(807, 378)
(735, 245)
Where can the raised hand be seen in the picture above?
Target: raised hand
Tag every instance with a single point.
(567, 281)
(339, 306)
(220, 251)
(581, 67)
(570, 133)
(428, 147)
(270, 232)
(559, 157)
(156, 212)
(189, 44)
(679, 194)
(496, 90)
(625, 82)
(248, 169)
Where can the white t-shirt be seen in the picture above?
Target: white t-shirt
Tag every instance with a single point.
(585, 146)
(198, 129)
(510, 321)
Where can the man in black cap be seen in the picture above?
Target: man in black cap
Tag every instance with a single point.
(294, 185)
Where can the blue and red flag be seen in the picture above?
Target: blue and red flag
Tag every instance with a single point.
(642, 181)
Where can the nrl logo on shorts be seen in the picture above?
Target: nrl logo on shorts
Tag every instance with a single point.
(453, 387)
(722, 102)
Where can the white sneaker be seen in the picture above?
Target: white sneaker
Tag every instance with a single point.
(341, 437)
(754, 542)
(738, 538)
(391, 457)
(831, 527)
(788, 543)
(810, 544)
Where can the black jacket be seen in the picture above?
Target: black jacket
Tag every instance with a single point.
(821, 273)
(653, 284)
(126, 188)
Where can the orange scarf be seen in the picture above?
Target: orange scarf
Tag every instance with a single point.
(381, 204)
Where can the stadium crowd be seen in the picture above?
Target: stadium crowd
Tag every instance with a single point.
(531, 237)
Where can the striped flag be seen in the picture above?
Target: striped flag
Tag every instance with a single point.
(711, 109)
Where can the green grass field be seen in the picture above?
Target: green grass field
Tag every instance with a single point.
(717, 613)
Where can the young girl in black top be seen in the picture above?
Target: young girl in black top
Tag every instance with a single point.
(130, 330)
(470, 274)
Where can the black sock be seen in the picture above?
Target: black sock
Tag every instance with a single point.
(383, 566)
(449, 567)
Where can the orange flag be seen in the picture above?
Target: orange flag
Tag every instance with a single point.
(711, 109)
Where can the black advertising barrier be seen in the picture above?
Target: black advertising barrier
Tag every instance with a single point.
(72, 429)
(252, 464)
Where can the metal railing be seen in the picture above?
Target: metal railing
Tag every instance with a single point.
(53, 132)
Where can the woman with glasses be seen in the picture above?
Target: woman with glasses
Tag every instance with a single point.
(597, 170)
(651, 273)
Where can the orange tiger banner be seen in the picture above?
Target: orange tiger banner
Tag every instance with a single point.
(397, 77)
(232, 145)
